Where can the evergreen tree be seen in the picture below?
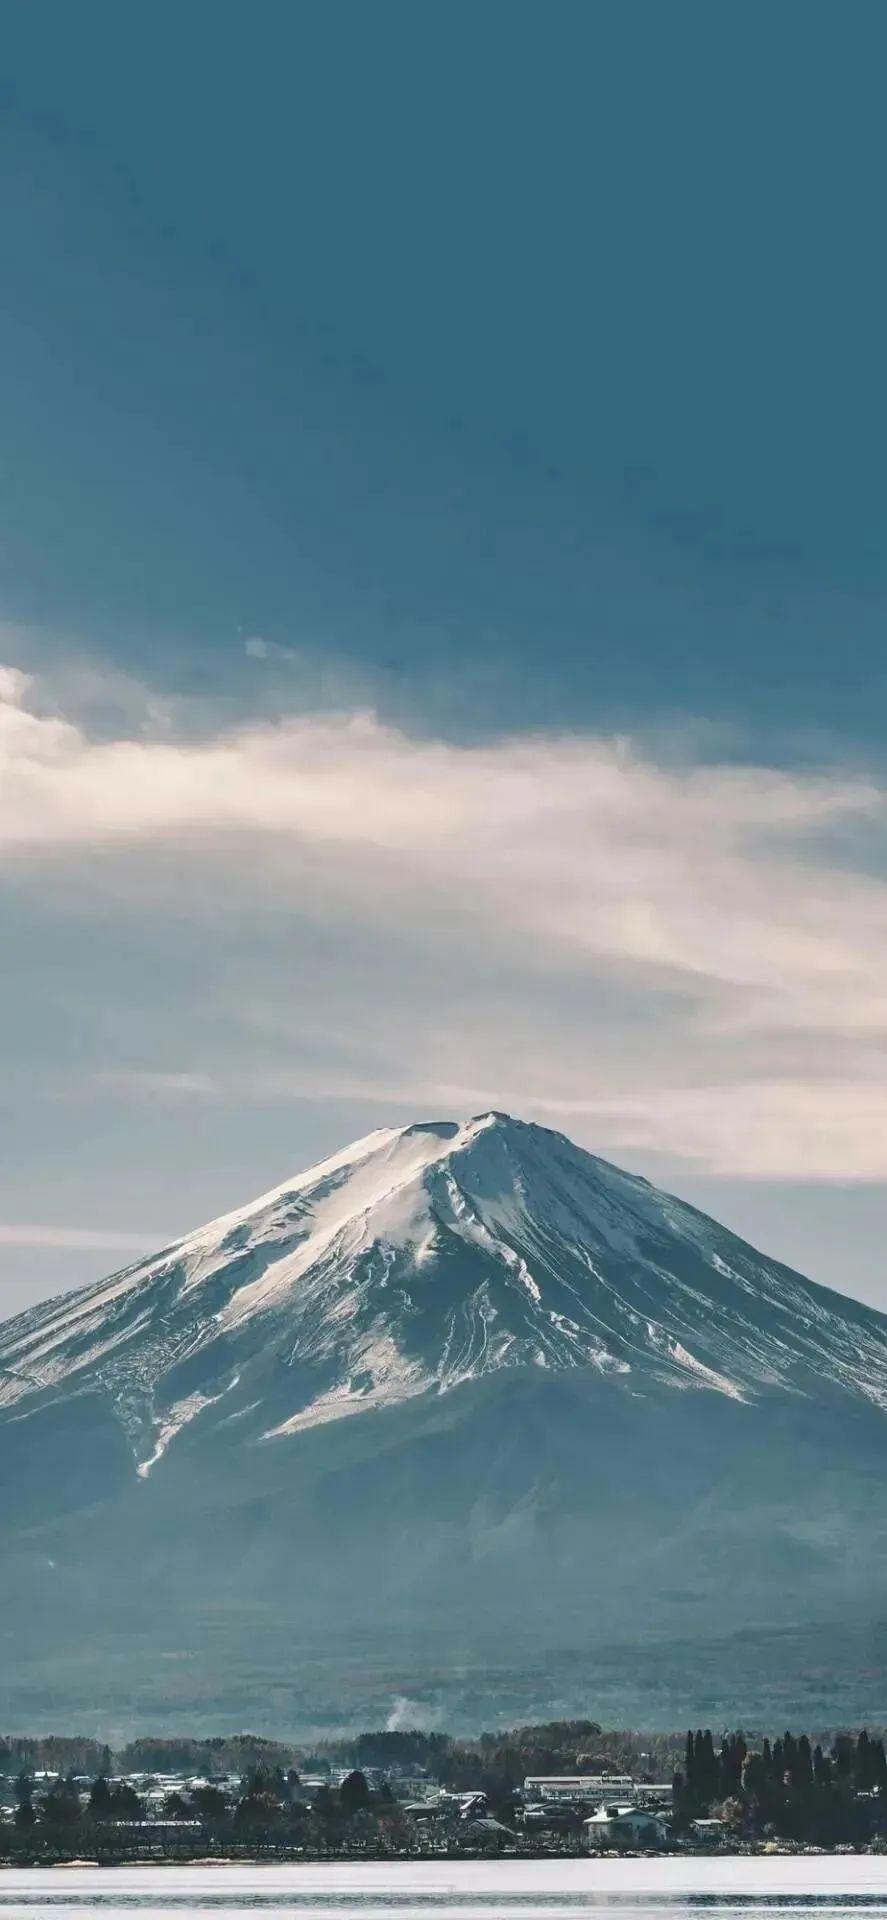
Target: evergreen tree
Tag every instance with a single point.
(707, 1768)
(755, 1776)
(100, 1800)
(209, 1804)
(868, 1766)
(125, 1803)
(24, 1803)
(730, 1759)
(843, 1756)
(822, 1772)
(804, 1765)
(61, 1807)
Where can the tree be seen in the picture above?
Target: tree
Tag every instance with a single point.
(100, 1799)
(24, 1816)
(733, 1812)
(803, 1769)
(210, 1804)
(869, 1765)
(755, 1778)
(354, 1793)
(61, 1807)
(822, 1771)
(259, 1807)
(730, 1759)
(843, 1756)
(298, 1814)
(125, 1803)
(706, 1768)
(324, 1805)
(175, 1807)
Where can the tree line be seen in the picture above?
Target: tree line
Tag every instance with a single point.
(789, 1786)
(266, 1811)
(152, 1753)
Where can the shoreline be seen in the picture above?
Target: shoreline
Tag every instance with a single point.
(463, 1856)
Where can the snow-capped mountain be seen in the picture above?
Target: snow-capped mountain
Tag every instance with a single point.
(564, 1387)
(422, 1258)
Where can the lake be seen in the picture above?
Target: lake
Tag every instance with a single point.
(655, 1889)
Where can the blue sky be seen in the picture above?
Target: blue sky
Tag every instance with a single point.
(510, 378)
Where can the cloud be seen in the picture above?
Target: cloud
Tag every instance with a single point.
(686, 959)
(256, 648)
(14, 684)
(71, 1239)
(157, 1085)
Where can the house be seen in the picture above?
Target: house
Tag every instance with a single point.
(713, 1832)
(486, 1835)
(623, 1829)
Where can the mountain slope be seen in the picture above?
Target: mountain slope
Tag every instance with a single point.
(565, 1388)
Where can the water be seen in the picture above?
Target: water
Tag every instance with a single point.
(828, 1887)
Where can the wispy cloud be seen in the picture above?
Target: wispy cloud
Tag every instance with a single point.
(256, 648)
(73, 1239)
(154, 1085)
(683, 957)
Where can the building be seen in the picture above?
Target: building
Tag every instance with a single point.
(568, 1788)
(623, 1828)
(487, 1836)
(711, 1831)
(653, 1793)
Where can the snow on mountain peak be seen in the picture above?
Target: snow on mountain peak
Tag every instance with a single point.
(418, 1259)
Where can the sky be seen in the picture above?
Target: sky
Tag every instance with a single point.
(442, 604)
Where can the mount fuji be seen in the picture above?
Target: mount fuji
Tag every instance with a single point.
(462, 1412)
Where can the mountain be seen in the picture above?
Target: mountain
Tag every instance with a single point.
(462, 1413)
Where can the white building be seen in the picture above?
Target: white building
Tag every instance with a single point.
(570, 1787)
(623, 1828)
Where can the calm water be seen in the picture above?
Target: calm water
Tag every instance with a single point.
(465, 1890)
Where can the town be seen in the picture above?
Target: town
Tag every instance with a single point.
(402, 1794)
